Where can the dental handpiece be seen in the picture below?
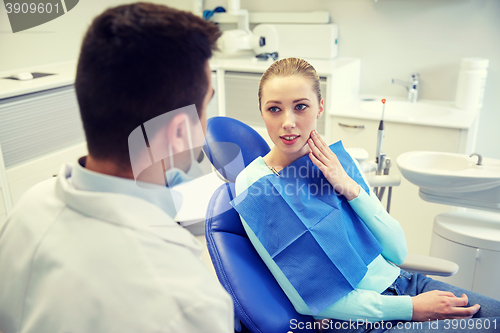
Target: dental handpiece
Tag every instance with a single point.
(380, 140)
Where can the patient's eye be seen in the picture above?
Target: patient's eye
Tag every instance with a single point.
(274, 109)
(300, 107)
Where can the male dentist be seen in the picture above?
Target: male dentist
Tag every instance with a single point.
(91, 250)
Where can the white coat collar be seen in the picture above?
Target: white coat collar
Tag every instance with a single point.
(161, 196)
(123, 210)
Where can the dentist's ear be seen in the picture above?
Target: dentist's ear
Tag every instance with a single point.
(177, 133)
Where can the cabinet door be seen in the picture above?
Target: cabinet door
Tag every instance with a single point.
(415, 215)
(487, 273)
(39, 123)
(242, 101)
(33, 127)
(399, 137)
(463, 256)
(355, 133)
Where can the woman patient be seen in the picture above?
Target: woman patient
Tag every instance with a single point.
(290, 104)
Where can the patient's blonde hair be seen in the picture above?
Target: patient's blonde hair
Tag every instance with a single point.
(288, 67)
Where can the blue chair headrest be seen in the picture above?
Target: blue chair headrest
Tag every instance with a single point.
(259, 302)
(231, 145)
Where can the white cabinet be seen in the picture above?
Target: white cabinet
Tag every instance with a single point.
(399, 137)
(40, 131)
(464, 256)
(472, 240)
(415, 215)
(487, 273)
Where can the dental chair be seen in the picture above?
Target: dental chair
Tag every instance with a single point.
(259, 302)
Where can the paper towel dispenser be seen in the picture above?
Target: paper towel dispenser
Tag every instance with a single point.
(309, 41)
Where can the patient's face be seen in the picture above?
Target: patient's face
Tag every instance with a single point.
(290, 110)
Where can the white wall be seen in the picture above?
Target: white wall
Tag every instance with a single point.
(394, 38)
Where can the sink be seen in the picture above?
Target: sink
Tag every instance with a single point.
(453, 178)
(447, 171)
(405, 109)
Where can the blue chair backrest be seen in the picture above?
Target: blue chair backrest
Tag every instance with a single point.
(231, 145)
(259, 302)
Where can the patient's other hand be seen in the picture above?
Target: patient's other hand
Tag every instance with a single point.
(438, 304)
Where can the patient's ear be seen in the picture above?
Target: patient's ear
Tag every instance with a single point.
(177, 134)
(321, 108)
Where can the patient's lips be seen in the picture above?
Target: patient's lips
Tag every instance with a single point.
(289, 139)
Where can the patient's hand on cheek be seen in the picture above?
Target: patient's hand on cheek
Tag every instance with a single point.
(438, 304)
(326, 160)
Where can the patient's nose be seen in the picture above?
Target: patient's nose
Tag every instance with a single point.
(289, 121)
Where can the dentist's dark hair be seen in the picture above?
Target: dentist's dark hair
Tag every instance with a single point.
(139, 61)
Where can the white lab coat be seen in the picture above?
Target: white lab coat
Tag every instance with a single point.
(80, 261)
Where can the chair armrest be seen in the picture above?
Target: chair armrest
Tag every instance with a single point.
(429, 265)
(383, 180)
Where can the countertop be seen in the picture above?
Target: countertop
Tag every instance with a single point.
(64, 75)
(452, 117)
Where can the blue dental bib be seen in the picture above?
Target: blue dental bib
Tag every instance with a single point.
(310, 231)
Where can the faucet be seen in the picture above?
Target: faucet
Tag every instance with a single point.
(411, 86)
(479, 158)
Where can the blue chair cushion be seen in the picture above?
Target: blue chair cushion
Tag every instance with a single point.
(231, 145)
(259, 301)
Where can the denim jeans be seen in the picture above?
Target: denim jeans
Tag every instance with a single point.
(487, 319)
